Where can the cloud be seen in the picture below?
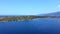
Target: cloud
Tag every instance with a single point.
(59, 6)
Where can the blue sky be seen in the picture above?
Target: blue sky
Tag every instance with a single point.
(28, 7)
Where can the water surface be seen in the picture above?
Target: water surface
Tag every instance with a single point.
(36, 26)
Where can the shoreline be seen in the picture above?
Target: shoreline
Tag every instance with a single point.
(22, 18)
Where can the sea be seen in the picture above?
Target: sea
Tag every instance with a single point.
(35, 26)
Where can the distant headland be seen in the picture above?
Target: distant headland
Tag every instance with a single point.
(22, 18)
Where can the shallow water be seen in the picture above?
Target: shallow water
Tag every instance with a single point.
(36, 26)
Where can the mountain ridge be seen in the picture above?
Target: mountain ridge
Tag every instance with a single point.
(51, 14)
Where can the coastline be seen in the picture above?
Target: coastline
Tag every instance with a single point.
(22, 18)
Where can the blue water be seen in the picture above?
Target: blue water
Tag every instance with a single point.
(36, 26)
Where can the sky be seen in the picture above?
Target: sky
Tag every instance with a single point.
(28, 7)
